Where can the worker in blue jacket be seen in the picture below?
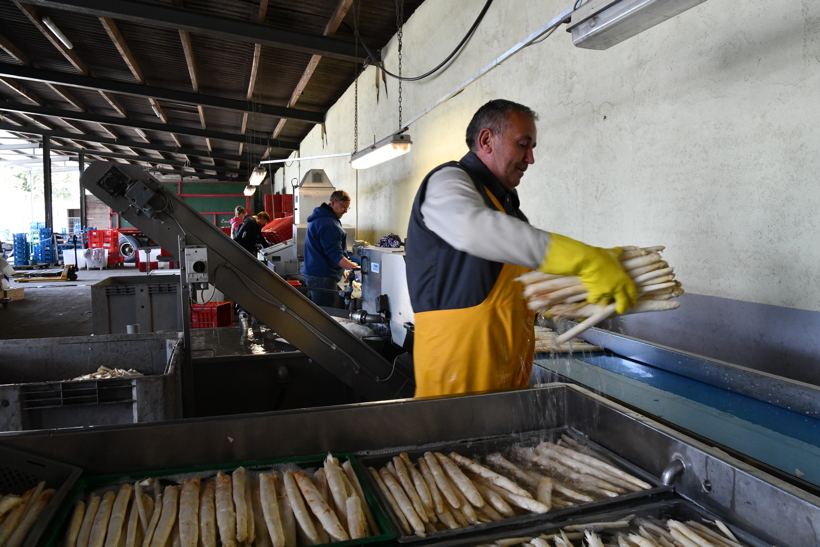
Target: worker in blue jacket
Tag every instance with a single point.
(326, 256)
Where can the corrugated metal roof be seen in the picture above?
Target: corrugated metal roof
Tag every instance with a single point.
(223, 69)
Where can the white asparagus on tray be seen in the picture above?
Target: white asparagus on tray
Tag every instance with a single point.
(264, 507)
(553, 476)
(564, 297)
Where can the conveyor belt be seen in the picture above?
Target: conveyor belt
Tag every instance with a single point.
(780, 437)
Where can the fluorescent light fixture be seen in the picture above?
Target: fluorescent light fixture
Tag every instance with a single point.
(141, 133)
(393, 146)
(60, 36)
(249, 190)
(600, 24)
(258, 176)
(156, 111)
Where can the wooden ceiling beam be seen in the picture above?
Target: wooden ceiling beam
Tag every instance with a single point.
(115, 104)
(21, 91)
(13, 50)
(257, 54)
(125, 52)
(31, 12)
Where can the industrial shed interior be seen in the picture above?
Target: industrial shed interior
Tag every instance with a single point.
(681, 128)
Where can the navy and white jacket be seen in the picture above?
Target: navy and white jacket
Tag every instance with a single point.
(325, 244)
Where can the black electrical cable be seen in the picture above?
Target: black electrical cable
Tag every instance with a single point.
(445, 61)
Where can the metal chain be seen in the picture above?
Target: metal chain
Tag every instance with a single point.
(400, 24)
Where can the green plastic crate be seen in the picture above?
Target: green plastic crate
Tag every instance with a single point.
(54, 535)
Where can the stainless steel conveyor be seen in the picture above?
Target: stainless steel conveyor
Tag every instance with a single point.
(165, 218)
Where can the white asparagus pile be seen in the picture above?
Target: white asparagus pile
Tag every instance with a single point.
(452, 491)
(564, 297)
(19, 513)
(264, 509)
(105, 373)
(641, 533)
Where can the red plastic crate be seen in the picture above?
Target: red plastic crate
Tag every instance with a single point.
(115, 258)
(278, 229)
(103, 239)
(211, 315)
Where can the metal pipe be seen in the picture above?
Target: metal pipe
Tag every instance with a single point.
(83, 212)
(47, 197)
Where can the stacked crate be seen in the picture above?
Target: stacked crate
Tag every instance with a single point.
(109, 240)
(282, 205)
(45, 251)
(21, 250)
(211, 315)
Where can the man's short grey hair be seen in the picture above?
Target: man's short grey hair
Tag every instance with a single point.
(494, 115)
(340, 195)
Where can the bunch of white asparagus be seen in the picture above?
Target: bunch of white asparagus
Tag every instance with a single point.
(244, 508)
(450, 492)
(18, 513)
(643, 532)
(563, 296)
(104, 373)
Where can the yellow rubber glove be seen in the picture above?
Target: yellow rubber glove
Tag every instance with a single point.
(597, 268)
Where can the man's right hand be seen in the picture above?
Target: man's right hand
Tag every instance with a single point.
(598, 269)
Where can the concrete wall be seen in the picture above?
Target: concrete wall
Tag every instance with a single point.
(700, 134)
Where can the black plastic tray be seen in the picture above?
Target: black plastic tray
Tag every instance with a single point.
(482, 447)
(102, 484)
(671, 508)
(20, 471)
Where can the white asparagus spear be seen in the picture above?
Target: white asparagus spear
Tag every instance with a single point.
(31, 516)
(595, 462)
(355, 518)
(403, 502)
(373, 526)
(132, 526)
(494, 499)
(138, 499)
(498, 480)
(464, 506)
(391, 501)
(654, 274)
(73, 530)
(328, 518)
(34, 497)
(624, 523)
(509, 542)
(525, 503)
(441, 479)
(240, 503)
(168, 516)
(689, 533)
(9, 502)
(641, 541)
(538, 542)
(207, 515)
(100, 526)
(225, 512)
(338, 489)
(269, 502)
(262, 537)
(320, 480)
(117, 519)
(584, 481)
(189, 512)
(635, 272)
(460, 480)
(543, 492)
(713, 536)
(403, 476)
(521, 475)
(458, 515)
(152, 524)
(14, 517)
(251, 517)
(592, 539)
(725, 529)
(682, 539)
(420, 484)
(435, 494)
(303, 518)
(446, 517)
(285, 511)
(637, 262)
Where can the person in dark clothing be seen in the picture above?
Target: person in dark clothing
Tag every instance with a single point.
(326, 255)
(249, 234)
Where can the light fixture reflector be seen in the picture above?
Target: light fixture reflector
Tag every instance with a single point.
(57, 32)
(258, 175)
(600, 24)
(249, 190)
(386, 149)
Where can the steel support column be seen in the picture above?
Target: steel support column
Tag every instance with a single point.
(47, 183)
(81, 161)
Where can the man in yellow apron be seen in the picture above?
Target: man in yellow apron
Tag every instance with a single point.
(466, 243)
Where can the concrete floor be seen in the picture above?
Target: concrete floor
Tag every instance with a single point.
(56, 308)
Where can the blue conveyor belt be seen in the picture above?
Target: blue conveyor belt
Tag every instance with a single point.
(784, 439)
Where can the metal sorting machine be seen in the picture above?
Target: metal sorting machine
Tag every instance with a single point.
(207, 256)
(689, 477)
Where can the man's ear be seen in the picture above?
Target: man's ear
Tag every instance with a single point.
(485, 140)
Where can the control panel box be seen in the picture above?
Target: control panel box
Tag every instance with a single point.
(196, 264)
